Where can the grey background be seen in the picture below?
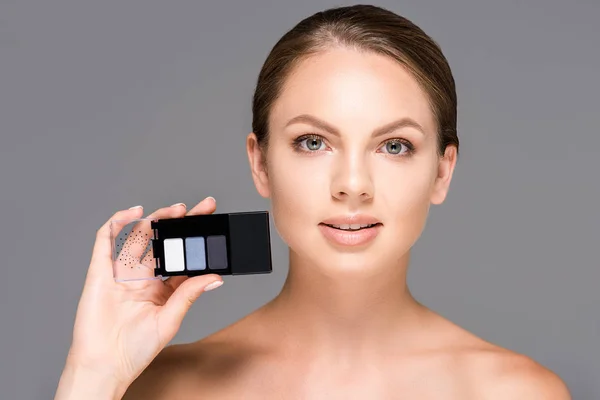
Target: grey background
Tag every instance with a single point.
(109, 104)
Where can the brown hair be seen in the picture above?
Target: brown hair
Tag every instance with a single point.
(365, 28)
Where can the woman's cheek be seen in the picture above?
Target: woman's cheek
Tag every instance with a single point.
(299, 197)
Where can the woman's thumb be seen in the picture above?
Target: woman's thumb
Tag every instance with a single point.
(181, 301)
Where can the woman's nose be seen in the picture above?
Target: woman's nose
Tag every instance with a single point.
(352, 180)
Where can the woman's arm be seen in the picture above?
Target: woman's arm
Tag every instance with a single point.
(77, 382)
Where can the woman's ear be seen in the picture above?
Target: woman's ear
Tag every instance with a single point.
(258, 165)
(444, 175)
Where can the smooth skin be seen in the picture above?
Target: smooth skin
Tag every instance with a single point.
(345, 325)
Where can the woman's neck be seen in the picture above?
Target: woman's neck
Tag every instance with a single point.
(348, 313)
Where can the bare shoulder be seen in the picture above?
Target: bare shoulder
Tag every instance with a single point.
(484, 370)
(511, 375)
(209, 366)
(493, 372)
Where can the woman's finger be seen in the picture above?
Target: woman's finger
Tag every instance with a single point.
(102, 250)
(174, 281)
(171, 314)
(206, 206)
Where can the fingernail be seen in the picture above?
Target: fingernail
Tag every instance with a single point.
(213, 285)
(210, 197)
(178, 204)
(131, 208)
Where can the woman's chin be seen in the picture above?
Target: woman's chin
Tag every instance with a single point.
(354, 265)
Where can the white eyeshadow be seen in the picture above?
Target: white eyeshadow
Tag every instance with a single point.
(174, 255)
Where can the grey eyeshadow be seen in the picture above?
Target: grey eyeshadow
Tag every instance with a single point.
(217, 252)
(194, 253)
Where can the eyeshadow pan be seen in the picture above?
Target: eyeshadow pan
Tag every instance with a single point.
(193, 245)
(195, 254)
(174, 260)
(217, 252)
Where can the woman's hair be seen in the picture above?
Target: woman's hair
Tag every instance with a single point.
(364, 28)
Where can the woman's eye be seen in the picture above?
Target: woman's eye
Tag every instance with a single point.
(310, 143)
(313, 143)
(394, 147)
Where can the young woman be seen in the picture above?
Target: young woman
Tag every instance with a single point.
(354, 137)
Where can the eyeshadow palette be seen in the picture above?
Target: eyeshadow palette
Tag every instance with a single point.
(225, 244)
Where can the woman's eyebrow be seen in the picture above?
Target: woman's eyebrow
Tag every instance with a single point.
(385, 129)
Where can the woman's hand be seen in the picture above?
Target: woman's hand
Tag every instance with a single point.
(120, 327)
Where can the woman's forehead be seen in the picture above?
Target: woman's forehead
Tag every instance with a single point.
(346, 86)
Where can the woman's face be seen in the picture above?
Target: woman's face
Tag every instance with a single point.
(352, 134)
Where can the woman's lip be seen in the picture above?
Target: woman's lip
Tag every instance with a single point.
(350, 238)
(361, 219)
